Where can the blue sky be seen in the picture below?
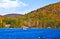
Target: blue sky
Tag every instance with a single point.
(22, 6)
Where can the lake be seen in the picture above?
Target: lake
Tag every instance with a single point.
(30, 33)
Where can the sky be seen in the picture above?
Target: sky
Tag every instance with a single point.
(22, 6)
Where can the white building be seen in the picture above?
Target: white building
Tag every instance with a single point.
(7, 25)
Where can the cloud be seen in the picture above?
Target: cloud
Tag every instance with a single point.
(6, 4)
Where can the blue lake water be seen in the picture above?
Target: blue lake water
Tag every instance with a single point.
(30, 33)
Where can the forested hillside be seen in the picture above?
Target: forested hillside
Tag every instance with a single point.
(47, 16)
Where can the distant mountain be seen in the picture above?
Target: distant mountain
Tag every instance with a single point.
(0, 15)
(13, 15)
